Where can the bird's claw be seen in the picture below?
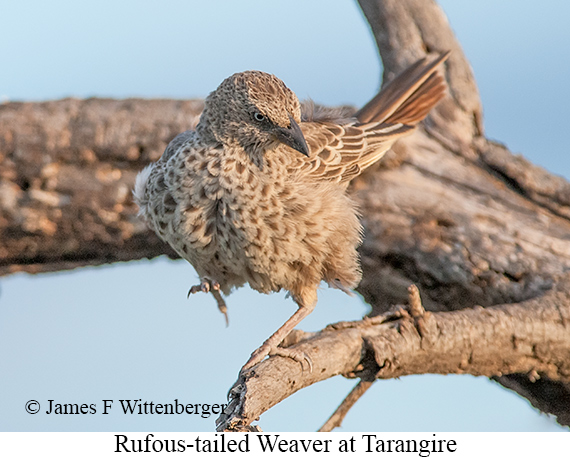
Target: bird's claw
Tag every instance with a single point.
(209, 285)
(294, 354)
(259, 354)
(206, 285)
(193, 290)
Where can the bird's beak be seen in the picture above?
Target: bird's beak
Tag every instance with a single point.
(293, 137)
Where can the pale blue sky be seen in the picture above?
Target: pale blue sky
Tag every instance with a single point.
(126, 331)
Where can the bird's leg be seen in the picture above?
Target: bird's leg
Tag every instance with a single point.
(270, 346)
(209, 285)
(221, 303)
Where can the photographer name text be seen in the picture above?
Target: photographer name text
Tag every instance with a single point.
(126, 407)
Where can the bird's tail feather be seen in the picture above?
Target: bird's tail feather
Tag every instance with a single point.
(408, 98)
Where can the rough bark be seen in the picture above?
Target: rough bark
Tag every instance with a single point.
(67, 169)
(460, 216)
(529, 337)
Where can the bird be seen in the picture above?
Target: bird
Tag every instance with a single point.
(257, 192)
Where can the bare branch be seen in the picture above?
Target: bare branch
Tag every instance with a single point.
(416, 310)
(66, 175)
(340, 413)
(531, 337)
(461, 217)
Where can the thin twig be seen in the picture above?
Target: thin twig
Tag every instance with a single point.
(415, 302)
(349, 401)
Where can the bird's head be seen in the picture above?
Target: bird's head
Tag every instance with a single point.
(256, 111)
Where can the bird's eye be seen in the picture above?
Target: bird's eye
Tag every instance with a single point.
(258, 117)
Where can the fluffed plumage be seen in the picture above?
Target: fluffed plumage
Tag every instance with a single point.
(256, 195)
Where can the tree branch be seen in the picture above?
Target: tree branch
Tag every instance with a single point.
(340, 413)
(67, 169)
(531, 337)
(461, 216)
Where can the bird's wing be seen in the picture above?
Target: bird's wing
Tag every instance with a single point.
(341, 149)
(340, 152)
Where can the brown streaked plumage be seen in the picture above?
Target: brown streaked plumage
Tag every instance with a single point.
(254, 195)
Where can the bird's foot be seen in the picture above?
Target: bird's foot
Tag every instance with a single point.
(209, 285)
(295, 354)
(256, 356)
(267, 350)
(206, 285)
